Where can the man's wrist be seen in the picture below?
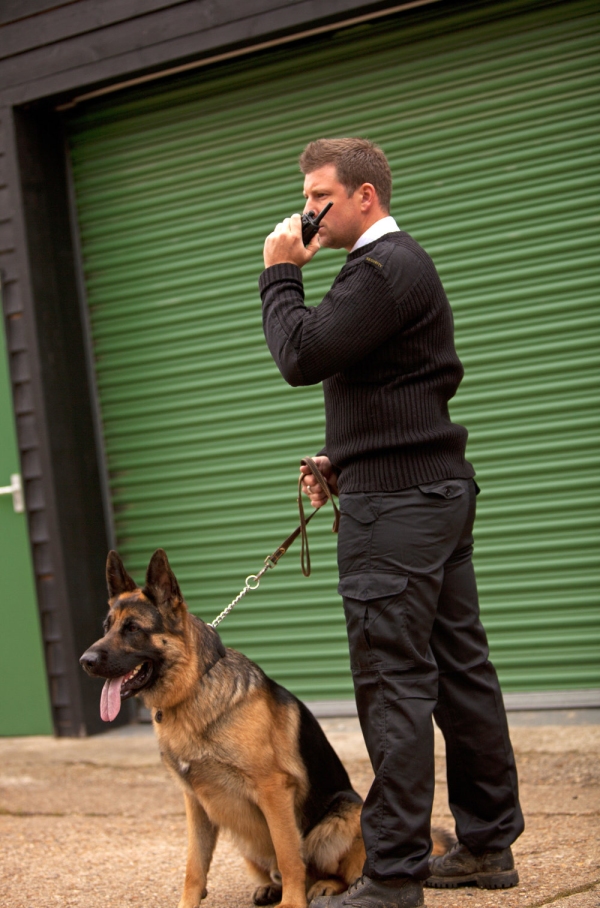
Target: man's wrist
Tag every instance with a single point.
(286, 271)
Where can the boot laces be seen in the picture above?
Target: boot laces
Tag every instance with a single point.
(458, 846)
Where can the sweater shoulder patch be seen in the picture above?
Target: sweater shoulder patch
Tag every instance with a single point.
(373, 262)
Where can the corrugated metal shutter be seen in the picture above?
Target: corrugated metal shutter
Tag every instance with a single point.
(489, 117)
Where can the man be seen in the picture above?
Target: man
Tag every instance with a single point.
(381, 341)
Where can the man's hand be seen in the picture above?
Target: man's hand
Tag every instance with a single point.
(310, 485)
(285, 244)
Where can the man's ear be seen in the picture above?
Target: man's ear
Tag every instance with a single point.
(160, 579)
(368, 197)
(117, 578)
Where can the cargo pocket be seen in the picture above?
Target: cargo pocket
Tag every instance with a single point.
(359, 512)
(375, 608)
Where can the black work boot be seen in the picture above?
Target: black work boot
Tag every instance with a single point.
(367, 893)
(459, 867)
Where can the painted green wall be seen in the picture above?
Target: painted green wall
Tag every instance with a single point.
(24, 701)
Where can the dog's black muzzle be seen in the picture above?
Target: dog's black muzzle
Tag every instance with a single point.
(102, 663)
(91, 661)
(94, 661)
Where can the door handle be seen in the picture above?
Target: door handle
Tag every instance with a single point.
(16, 490)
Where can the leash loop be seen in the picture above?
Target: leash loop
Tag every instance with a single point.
(326, 489)
(253, 580)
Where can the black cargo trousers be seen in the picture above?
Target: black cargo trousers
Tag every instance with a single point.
(417, 648)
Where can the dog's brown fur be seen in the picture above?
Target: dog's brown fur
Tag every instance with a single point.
(248, 755)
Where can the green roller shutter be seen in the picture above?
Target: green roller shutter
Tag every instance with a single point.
(489, 117)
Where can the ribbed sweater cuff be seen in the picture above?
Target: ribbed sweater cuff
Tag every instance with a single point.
(282, 272)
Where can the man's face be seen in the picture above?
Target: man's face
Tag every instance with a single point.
(343, 223)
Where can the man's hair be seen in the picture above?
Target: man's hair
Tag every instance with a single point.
(357, 161)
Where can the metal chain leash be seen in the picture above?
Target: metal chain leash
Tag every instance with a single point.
(252, 583)
(253, 580)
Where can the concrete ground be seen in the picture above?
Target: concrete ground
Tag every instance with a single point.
(98, 823)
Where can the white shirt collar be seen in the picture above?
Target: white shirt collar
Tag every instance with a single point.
(379, 228)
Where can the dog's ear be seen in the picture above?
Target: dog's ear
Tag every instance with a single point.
(117, 578)
(160, 579)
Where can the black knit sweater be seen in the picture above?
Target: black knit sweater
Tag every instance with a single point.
(382, 343)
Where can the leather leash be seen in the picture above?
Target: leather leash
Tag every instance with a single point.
(305, 554)
(253, 580)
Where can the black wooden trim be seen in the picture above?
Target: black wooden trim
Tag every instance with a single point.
(15, 10)
(188, 31)
(89, 352)
(55, 424)
(58, 23)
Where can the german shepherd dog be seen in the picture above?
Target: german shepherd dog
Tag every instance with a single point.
(249, 756)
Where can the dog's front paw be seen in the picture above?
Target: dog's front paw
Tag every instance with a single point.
(267, 895)
(187, 902)
(326, 887)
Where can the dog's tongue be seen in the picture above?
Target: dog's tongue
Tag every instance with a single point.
(110, 701)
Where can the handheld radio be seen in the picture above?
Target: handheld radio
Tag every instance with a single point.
(310, 223)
